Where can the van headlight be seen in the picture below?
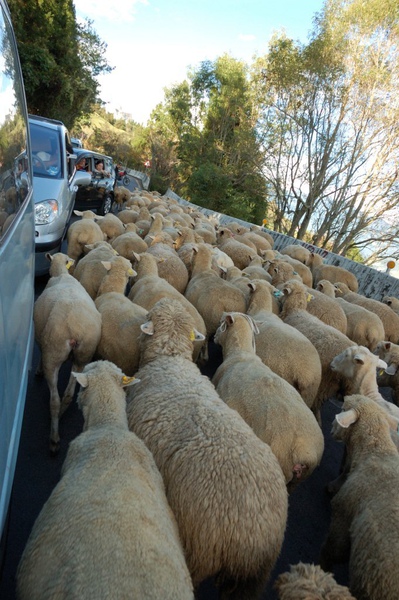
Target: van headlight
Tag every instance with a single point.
(46, 212)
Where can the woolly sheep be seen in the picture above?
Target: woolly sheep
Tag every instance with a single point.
(240, 253)
(107, 530)
(128, 215)
(309, 582)
(128, 243)
(298, 252)
(67, 324)
(392, 302)
(170, 266)
(231, 512)
(120, 330)
(368, 497)
(89, 270)
(121, 194)
(149, 287)
(111, 226)
(388, 317)
(327, 310)
(303, 271)
(327, 340)
(283, 348)
(263, 233)
(211, 295)
(267, 402)
(81, 233)
(389, 377)
(363, 326)
(332, 273)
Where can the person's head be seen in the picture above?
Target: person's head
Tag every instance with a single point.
(99, 165)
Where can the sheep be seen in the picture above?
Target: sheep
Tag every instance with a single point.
(223, 483)
(89, 270)
(268, 403)
(121, 194)
(170, 265)
(120, 331)
(128, 243)
(327, 310)
(282, 271)
(389, 377)
(263, 233)
(118, 274)
(81, 233)
(261, 243)
(296, 360)
(309, 582)
(111, 226)
(240, 253)
(365, 519)
(128, 215)
(255, 270)
(392, 302)
(303, 271)
(107, 530)
(211, 295)
(67, 324)
(332, 273)
(388, 317)
(327, 340)
(149, 287)
(298, 252)
(364, 327)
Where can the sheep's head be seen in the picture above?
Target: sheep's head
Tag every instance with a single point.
(358, 409)
(341, 289)
(168, 331)
(354, 359)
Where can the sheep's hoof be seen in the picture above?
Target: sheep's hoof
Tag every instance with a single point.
(54, 447)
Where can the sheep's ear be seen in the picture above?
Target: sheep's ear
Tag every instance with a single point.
(359, 359)
(131, 272)
(251, 286)
(106, 264)
(49, 256)
(98, 218)
(347, 418)
(196, 336)
(81, 378)
(69, 263)
(147, 328)
(126, 381)
(136, 256)
(387, 345)
(79, 213)
(391, 370)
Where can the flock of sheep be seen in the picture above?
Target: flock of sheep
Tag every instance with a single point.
(178, 477)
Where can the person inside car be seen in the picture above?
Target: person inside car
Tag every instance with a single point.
(100, 169)
(81, 165)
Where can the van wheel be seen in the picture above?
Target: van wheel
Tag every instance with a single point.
(106, 205)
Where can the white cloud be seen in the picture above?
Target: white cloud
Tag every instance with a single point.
(95, 9)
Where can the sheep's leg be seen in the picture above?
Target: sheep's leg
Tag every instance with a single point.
(52, 381)
(39, 370)
(70, 389)
(336, 548)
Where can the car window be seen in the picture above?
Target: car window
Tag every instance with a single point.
(15, 180)
(46, 152)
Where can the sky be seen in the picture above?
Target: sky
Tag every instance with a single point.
(153, 43)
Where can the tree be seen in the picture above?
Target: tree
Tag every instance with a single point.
(329, 125)
(60, 59)
(208, 125)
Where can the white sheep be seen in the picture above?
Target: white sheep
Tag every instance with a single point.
(332, 273)
(362, 326)
(327, 340)
(267, 402)
(120, 331)
(111, 226)
(67, 324)
(389, 318)
(211, 295)
(392, 302)
(365, 519)
(309, 582)
(240, 253)
(149, 287)
(89, 270)
(107, 530)
(298, 252)
(283, 348)
(389, 377)
(223, 483)
(81, 233)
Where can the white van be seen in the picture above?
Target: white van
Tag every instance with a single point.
(17, 259)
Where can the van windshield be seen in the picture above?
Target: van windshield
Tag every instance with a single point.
(46, 152)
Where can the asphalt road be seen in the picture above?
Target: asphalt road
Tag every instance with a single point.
(37, 473)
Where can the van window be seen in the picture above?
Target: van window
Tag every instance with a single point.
(46, 152)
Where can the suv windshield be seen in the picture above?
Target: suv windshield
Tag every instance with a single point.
(46, 152)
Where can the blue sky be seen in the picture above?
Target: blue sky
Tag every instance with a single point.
(153, 43)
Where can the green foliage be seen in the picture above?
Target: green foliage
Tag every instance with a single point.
(60, 59)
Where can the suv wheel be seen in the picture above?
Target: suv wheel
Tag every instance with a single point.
(106, 205)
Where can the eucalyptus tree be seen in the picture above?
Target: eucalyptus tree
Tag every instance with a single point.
(330, 124)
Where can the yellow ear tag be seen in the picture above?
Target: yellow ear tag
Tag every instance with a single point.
(126, 380)
(381, 372)
(309, 297)
(192, 335)
(69, 264)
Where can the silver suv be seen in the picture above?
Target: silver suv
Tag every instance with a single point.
(55, 183)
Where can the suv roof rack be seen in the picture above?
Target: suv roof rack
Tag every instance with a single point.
(39, 118)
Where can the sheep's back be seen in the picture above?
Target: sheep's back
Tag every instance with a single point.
(224, 485)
